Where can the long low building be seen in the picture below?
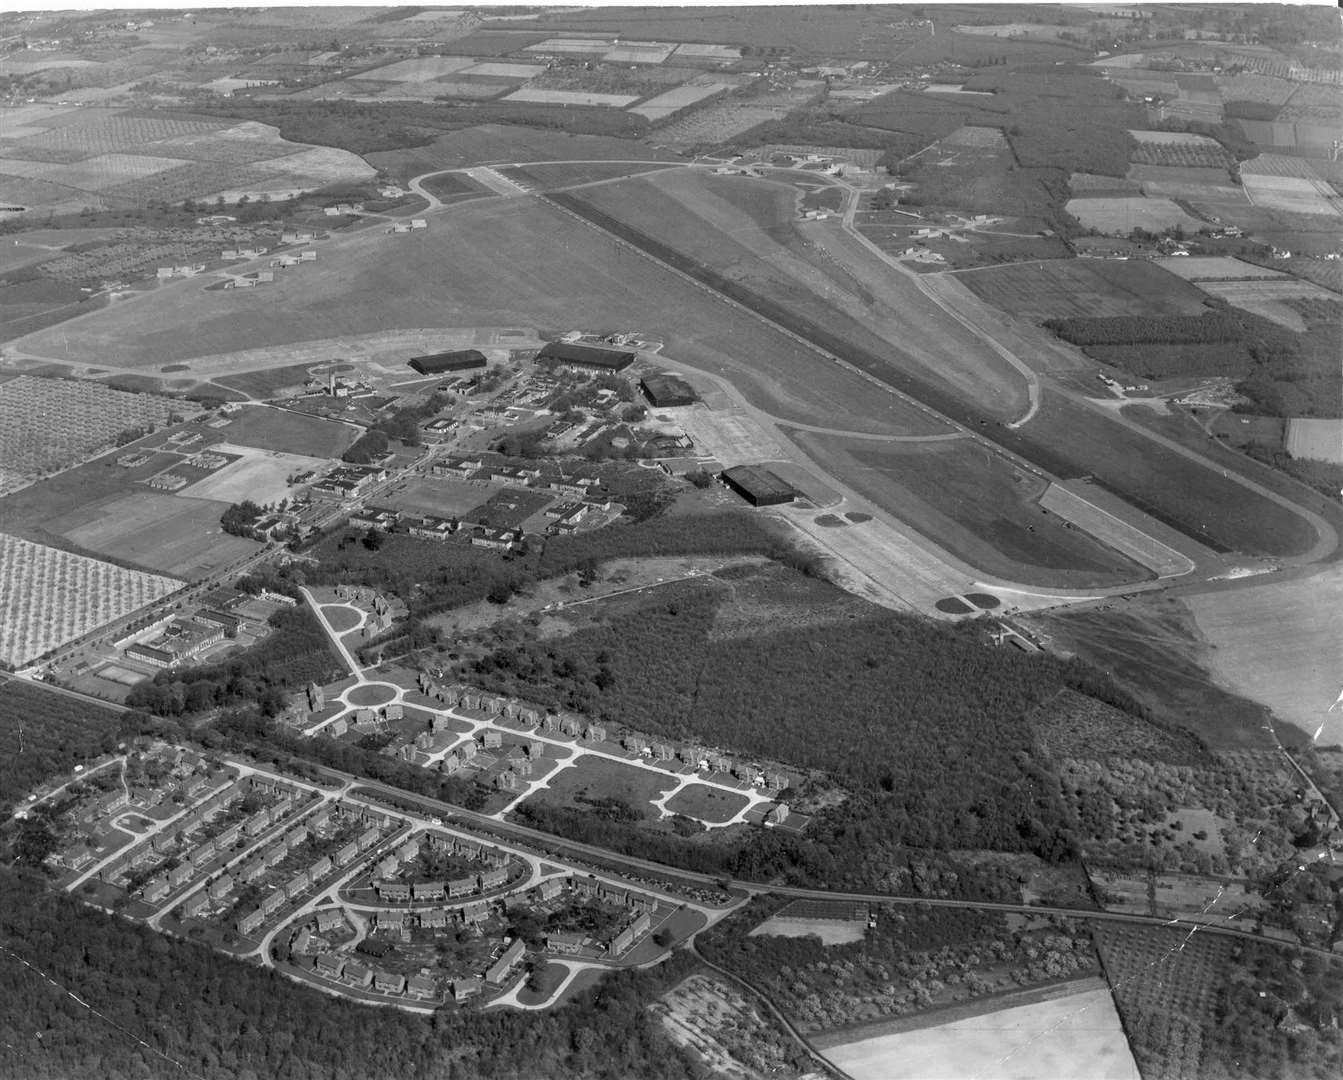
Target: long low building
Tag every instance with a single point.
(589, 357)
(440, 363)
(758, 486)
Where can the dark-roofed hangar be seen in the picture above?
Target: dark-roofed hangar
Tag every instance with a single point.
(438, 363)
(591, 357)
(666, 391)
(758, 486)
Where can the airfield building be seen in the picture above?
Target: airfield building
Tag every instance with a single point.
(667, 391)
(758, 486)
(586, 357)
(439, 363)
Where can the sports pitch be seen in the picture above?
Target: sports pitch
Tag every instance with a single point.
(443, 498)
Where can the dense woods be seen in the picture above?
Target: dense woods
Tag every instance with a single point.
(87, 994)
(43, 733)
(924, 724)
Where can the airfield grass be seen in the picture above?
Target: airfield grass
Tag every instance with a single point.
(594, 779)
(562, 175)
(289, 432)
(977, 505)
(750, 237)
(494, 263)
(709, 804)
(263, 384)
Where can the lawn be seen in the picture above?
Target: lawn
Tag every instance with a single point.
(289, 432)
(708, 804)
(594, 779)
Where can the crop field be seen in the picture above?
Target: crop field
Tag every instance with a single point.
(1216, 268)
(289, 432)
(707, 804)
(1265, 298)
(572, 97)
(48, 424)
(593, 779)
(421, 68)
(1074, 1032)
(49, 597)
(1090, 185)
(496, 265)
(1119, 217)
(1319, 440)
(673, 101)
(1278, 643)
(718, 123)
(1059, 288)
(975, 504)
(113, 156)
(1178, 148)
(167, 533)
(1293, 194)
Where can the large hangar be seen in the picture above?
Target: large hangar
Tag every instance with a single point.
(588, 357)
(758, 486)
(441, 363)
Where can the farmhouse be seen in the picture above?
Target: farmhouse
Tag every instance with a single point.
(666, 391)
(439, 363)
(758, 485)
(586, 357)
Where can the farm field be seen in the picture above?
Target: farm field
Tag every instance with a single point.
(1265, 298)
(289, 432)
(1059, 288)
(105, 157)
(490, 269)
(1293, 194)
(673, 101)
(975, 504)
(593, 779)
(1072, 1034)
(49, 596)
(49, 424)
(1216, 268)
(571, 97)
(1319, 440)
(170, 534)
(1119, 217)
(1278, 643)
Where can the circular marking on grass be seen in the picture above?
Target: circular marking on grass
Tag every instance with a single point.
(858, 518)
(983, 601)
(371, 694)
(829, 521)
(951, 605)
(341, 618)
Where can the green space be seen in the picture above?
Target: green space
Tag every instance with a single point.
(434, 496)
(267, 383)
(704, 803)
(607, 787)
(555, 177)
(288, 432)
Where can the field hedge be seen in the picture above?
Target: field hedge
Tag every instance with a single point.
(1148, 329)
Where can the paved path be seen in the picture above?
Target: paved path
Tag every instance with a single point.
(350, 662)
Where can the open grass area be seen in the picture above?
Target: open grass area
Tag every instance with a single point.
(289, 432)
(431, 495)
(557, 176)
(708, 804)
(263, 384)
(977, 505)
(594, 779)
